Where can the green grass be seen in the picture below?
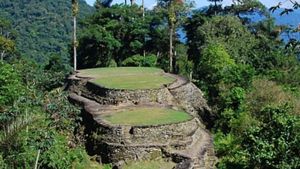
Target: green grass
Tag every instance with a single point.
(147, 116)
(150, 165)
(157, 164)
(128, 77)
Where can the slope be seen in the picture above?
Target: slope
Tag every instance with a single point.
(44, 27)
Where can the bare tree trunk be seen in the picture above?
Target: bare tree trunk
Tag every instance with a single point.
(2, 55)
(37, 159)
(143, 8)
(215, 7)
(132, 2)
(171, 47)
(125, 2)
(75, 43)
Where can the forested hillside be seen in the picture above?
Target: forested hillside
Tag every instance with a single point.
(248, 75)
(43, 27)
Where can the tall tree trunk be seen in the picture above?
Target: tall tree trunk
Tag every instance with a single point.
(171, 30)
(215, 7)
(2, 55)
(132, 2)
(74, 43)
(125, 2)
(143, 8)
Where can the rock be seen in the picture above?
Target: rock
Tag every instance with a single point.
(117, 144)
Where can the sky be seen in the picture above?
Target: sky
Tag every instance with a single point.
(199, 3)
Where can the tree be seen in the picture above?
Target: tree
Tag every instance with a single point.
(215, 7)
(175, 10)
(11, 87)
(132, 2)
(7, 45)
(245, 6)
(274, 143)
(75, 9)
(227, 30)
(112, 35)
(294, 3)
(102, 3)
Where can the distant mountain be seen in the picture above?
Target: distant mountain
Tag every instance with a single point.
(44, 26)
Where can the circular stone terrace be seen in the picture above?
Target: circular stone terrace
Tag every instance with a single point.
(137, 113)
(132, 78)
(135, 78)
(146, 115)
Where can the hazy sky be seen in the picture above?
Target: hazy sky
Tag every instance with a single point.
(199, 3)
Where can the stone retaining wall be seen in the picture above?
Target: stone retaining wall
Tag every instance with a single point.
(116, 96)
(160, 134)
(116, 143)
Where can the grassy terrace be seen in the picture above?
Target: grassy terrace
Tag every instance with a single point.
(128, 77)
(147, 116)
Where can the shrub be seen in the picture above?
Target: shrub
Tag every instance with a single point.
(135, 60)
(113, 63)
(138, 60)
(266, 92)
(150, 60)
(275, 143)
(11, 87)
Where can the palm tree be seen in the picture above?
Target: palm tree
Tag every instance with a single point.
(75, 9)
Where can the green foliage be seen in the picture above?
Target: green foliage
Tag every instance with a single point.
(213, 66)
(150, 60)
(246, 6)
(267, 92)
(6, 46)
(138, 60)
(275, 143)
(62, 113)
(240, 75)
(215, 61)
(100, 42)
(271, 141)
(43, 27)
(2, 163)
(226, 30)
(183, 65)
(11, 87)
(234, 98)
(55, 151)
(228, 147)
(27, 128)
(59, 155)
(228, 52)
(54, 73)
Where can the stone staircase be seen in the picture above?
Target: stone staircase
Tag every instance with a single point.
(200, 151)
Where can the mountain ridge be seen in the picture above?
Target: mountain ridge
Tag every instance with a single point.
(43, 28)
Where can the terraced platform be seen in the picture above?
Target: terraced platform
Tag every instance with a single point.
(128, 124)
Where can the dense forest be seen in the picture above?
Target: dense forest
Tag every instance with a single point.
(42, 28)
(250, 76)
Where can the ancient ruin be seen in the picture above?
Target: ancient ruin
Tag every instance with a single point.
(186, 142)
